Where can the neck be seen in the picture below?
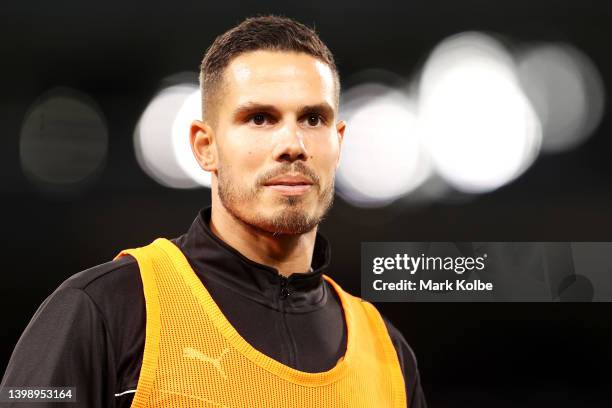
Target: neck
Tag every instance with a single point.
(285, 252)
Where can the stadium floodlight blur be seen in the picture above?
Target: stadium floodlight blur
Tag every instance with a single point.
(474, 120)
(63, 141)
(161, 138)
(479, 127)
(190, 110)
(565, 89)
(382, 157)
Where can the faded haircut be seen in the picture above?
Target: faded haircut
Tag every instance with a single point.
(274, 33)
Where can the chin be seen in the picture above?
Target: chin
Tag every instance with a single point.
(286, 220)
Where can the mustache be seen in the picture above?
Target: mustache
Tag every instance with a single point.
(294, 168)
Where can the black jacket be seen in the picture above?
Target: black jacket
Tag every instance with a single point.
(90, 332)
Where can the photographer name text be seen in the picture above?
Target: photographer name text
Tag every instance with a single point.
(433, 286)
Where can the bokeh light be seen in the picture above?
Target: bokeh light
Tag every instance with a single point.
(382, 158)
(479, 127)
(565, 89)
(161, 138)
(63, 141)
(189, 111)
(474, 120)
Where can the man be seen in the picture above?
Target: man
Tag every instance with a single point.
(236, 312)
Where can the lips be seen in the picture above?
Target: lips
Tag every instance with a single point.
(290, 185)
(289, 180)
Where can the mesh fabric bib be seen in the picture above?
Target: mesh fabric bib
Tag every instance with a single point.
(193, 356)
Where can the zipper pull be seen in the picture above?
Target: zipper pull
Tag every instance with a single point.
(284, 290)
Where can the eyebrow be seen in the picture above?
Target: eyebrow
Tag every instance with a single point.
(323, 109)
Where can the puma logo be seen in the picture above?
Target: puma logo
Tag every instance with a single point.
(189, 352)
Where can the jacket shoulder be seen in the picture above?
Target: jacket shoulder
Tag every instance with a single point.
(103, 274)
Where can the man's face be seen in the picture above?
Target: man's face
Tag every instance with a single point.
(277, 140)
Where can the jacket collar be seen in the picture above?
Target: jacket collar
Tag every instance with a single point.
(214, 259)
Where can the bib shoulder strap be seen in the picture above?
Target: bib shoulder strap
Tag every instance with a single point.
(145, 258)
(381, 333)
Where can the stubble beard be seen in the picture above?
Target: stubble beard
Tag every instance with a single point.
(292, 219)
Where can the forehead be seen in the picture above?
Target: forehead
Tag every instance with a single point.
(278, 77)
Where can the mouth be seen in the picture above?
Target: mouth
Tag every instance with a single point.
(290, 185)
(289, 189)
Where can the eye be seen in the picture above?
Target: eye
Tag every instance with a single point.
(259, 119)
(314, 119)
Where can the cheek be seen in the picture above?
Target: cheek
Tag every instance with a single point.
(324, 164)
(244, 155)
(250, 159)
(324, 155)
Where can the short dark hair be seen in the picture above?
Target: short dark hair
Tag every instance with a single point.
(269, 32)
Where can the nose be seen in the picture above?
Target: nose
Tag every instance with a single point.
(290, 144)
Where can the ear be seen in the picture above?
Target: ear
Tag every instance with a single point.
(340, 128)
(203, 145)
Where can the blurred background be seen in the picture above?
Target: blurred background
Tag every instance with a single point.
(467, 121)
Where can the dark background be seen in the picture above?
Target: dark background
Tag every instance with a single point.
(470, 355)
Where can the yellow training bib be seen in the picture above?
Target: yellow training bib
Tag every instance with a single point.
(193, 356)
